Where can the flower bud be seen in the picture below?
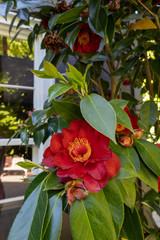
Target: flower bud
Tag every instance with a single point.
(114, 5)
(126, 141)
(138, 133)
(21, 126)
(75, 189)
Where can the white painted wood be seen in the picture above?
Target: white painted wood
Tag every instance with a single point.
(14, 142)
(16, 86)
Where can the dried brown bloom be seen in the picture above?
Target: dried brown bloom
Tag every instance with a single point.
(63, 7)
(53, 42)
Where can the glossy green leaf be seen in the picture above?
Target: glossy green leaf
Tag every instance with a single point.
(62, 124)
(53, 219)
(50, 111)
(89, 221)
(23, 14)
(68, 111)
(28, 3)
(119, 102)
(57, 89)
(93, 11)
(126, 42)
(38, 115)
(71, 37)
(74, 75)
(33, 212)
(132, 225)
(131, 17)
(148, 114)
(100, 27)
(40, 74)
(122, 117)
(52, 71)
(52, 182)
(129, 97)
(155, 66)
(99, 114)
(111, 200)
(24, 136)
(128, 191)
(70, 15)
(5, 7)
(52, 125)
(110, 28)
(150, 154)
(27, 164)
(38, 137)
(36, 181)
(147, 176)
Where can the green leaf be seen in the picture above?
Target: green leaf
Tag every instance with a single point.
(38, 137)
(74, 75)
(122, 117)
(93, 11)
(62, 124)
(148, 114)
(23, 14)
(99, 114)
(128, 191)
(71, 37)
(111, 200)
(29, 221)
(24, 137)
(110, 28)
(121, 45)
(129, 97)
(155, 66)
(89, 221)
(38, 115)
(147, 176)
(131, 17)
(119, 102)
(70, 15)
(40, 74)
(36, 181)
(28, 3)
(53, 183)
(57, 89)
(132, 225)
(53, 219)
(100, 27)
(150, 154)
(129, 163)
(5, 7)
(52, 125)
(52, 71)
(68, 111)
(29, 164)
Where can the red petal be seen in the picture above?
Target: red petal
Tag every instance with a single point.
(76, 172)
(96, 170)
(68, 136)
(113, 166)
(48, 158)
(100, 153)
(63, 160)
(91, 184)
(56, 143)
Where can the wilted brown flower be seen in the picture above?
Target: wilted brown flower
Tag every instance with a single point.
(53, 42)
(63, 7)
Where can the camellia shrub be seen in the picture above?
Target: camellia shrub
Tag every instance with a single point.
(104, 147)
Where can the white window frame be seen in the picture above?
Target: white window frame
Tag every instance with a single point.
(40, 89)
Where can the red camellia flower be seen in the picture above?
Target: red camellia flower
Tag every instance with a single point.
(75, 189)
(81, 152)
(87, 41)
(133, 119)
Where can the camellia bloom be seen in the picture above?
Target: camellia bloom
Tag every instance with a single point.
(75, 189)
(87, 41)
(126, 141)
(81, 152)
